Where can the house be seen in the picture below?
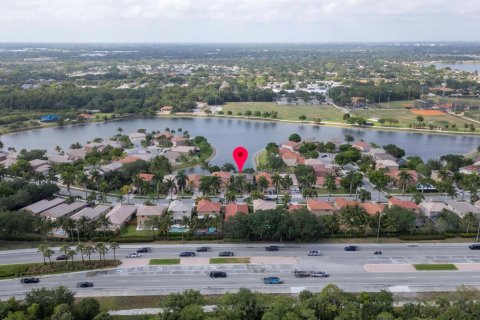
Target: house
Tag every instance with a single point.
(185, 149)
(396, 181)
(166, 109)
(40, 166)
(224, 176)
(461, 208)
(63, 210)
(172, 156)
(314, 162)
(129, 159)
(341, 203)
(432, 208)
(114, 166)
(362, 146)
(137, 137)
(91, 213)
(206, 207)
(43, 205)
(290, 159)
(384, 156)
(147, 177)
(144, 212)
(410, 205)
(59, 159)
(373, 152)
(471, 169)
(179, 210)
(320, 207)
(233, 208)
(120, 215)
(387, 164)
(322, 170)
(267, 176)
(76, 154)
(295, 206)
(291, 145)
(179, 141)
(320, 182)
(372, 208)
(85, 116)
(89, 147)
(164, 135)
(259, 205)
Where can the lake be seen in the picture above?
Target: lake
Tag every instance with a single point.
(225, 134)
(467, 67)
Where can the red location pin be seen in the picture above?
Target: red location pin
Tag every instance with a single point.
(240, 155)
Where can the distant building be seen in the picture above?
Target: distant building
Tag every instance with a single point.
(233, 208)
(320, 207)
(120, 215)
(206, 207)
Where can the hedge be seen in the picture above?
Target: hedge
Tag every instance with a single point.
(423, 237)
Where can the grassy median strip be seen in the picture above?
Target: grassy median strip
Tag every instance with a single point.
(435, 267)
(164, 261)
(229, 260)
(37, 269)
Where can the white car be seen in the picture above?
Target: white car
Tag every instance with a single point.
(134, 255)
(314, 253)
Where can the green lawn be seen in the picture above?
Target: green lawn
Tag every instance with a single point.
(435, 267)
(262, 158)
(164, 261)
(324, 112)
(229, 260)
(13, 270)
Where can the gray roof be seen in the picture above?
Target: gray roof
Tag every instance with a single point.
(463, 207)
(64, 209)
(43, 205)
(179, 206)
(157, 210)
(121, 214)
(91, 213)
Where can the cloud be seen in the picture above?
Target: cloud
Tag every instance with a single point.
(251, 20)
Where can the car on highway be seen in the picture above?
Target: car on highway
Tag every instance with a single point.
(319, 274)
(351, 248)
(62, 257)
(144, 250)
(134, 255)
(272, 280)
(474, 247)
(226, 254)
(187, 254)
(203, 249)
(29, 280)
(218, 274)
(84, 284)
(314, 253)
(271, 248)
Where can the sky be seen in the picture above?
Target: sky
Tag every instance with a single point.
(245, 21)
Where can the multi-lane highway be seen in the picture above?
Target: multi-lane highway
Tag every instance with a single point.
(346, 269)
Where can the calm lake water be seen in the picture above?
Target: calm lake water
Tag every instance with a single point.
(468, 67)
(226, 134)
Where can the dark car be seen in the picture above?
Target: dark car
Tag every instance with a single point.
(218, 274)
(84, 284)
(144, 250)
(187, 254)
(62, 257)
(474, 247)
(351, 248)
(29, 280)
(271, 248)
(203, 249)
(226, 254)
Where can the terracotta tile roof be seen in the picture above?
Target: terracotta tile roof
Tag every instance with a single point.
(208, 206)
(404, 204)
(372, 208)
(129, 159)
(293, 207)
(267, 176)
(223, 175)
(319, 205)
(341, 203)
(146, 176)
(233, 208)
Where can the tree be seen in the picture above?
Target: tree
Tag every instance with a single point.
(276, 180)
(182, 180)
(153, 223)
(418, 197)
(46, 252)
(330, 184)
(62, 312)
(65, 248)
(380, 180)
(114, 246)
(87, 309)
(81, 248)
(295, 137)
(101, 249)
(302, 117)
(171, 186)
(419, 120)
(48, 299)
(364, 195)
(349, 138)
(89, 250)
(405, 177)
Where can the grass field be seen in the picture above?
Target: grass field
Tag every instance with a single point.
(164, 261)
(229, 260)
(435, 267)
(325, 112)
(12, 270)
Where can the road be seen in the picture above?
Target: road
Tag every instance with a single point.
(346, 270)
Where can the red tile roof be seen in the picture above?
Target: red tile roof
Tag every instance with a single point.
(225, 176)
(146, 176)
(208, 206)
(404, 204)
(129, 159)
(372, 208)
(319, 205)
(293, 207)
(341, 203)
(232, 209)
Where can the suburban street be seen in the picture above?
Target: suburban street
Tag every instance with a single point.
(346, 269)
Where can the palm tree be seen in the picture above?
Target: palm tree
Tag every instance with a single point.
(44, 249)
(216, 182)
(71, 253)
(165, 223)
(182, 180)
(89, 250)
(95, 175)
(158, 181)
(104, 222)
(152, 223)
(218, 221)
(137, 182)
(230, 196)
(68, 178)
(405, 177)
(114, 246)
(171, 186)
(82, 224)
(286, 199)
(417, 197)
(330, 184)
(82, 179)
(277, 180)
(240, 182)
(81, 248)
(101, 249)
(205, 185)
(331, 223)
(65, 248)
(364, 195)
(125, 190)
